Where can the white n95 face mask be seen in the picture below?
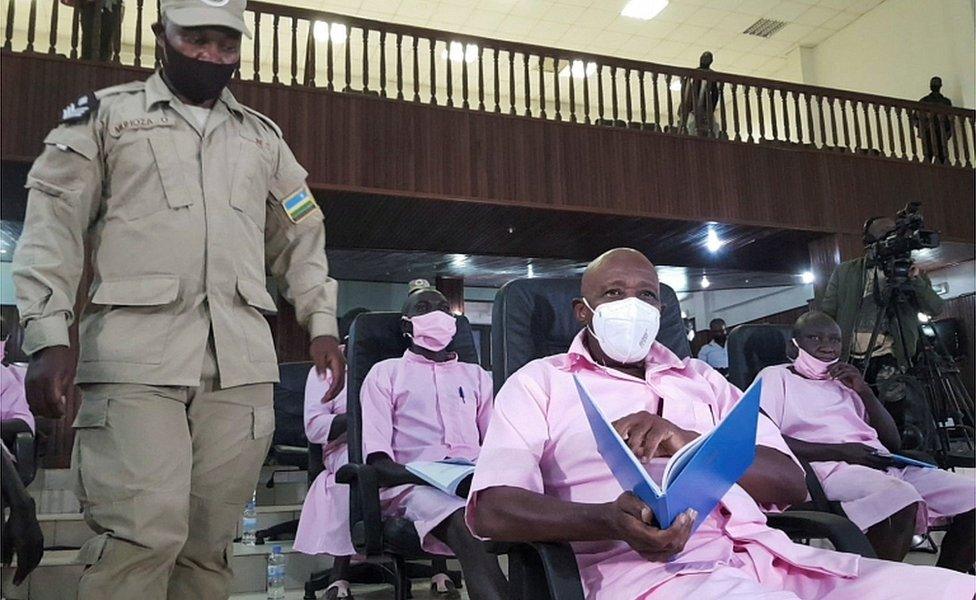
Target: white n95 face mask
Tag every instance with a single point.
(625, 328)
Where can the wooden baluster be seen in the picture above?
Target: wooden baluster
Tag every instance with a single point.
(799, 118)
(555, 86)
(891, 133)
(481, 79)
(844, 103)
(613, 93)
(735, 112)
(138, 42)
(53, 38)
(934, 150)
(901, 134)
(878, 130)
(449, 70)
(76, 25)
(399, 66)
(772, 112)
(965, 142)
(8, 32)
(525, 80)
(820, 120)
(857, 127)
(745, 93)
(542, 87)
(329, 56)
(833, 123)
(956, 157)
(667, 86)
(464, 77)
(383, 64)
(274, 52)
(913, 117)
(433, 71)
(365, 59)
(572, 90)
(294, 51)
(721, 113)
(759, 108)
(497, 82)
(116, 40)
(586, 95)
(416, 68)
(810, 131)
(511, 82)
(784, 103)
(32, 29)
(311, 50)
(599, 94)
(657, 102)
(643, 101)
(257, 46)
(627, 100)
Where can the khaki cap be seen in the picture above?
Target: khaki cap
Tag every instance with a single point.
(197, 13)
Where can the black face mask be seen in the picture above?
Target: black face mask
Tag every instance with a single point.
(720, 339)
(197, 80)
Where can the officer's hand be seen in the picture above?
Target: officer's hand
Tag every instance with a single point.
(650, 435)
(327, 356)
(22, 536)
(50, 381)
(631, 521)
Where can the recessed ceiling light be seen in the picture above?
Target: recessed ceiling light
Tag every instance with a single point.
(578, 69)
(530, 271)
(643, 9)
(459, 52)
(705, 282)
(923, 318)
(336, 31)
(713, 242)
(807, 277)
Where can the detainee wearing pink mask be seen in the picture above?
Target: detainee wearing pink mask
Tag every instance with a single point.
(429, 406)
(830, 416)
(541, 478)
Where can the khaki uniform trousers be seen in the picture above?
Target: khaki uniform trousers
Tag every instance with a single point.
(163, 474)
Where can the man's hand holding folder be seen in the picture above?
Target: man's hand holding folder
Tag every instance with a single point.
(649, 435)
(633, 522)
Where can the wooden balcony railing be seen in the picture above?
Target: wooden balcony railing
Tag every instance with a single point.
(313, 49)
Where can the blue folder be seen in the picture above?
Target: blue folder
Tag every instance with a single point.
(698, 475)
(904, 461)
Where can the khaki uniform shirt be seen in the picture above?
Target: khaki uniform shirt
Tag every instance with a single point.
(182, 222)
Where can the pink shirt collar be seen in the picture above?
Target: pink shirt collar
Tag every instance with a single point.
(658, 360)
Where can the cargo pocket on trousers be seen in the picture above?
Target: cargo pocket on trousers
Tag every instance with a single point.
(262, 422)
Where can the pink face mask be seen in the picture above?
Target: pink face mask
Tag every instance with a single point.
(434, 330)
(810, 366)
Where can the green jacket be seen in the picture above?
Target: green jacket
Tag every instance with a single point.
(845, 292)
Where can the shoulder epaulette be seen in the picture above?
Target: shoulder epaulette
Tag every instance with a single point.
(265, 119)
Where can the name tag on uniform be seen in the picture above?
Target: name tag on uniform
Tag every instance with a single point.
(140, 123)
(300, 204)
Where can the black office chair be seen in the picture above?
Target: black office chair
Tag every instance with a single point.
(289, 446)
(374, 337)
(751, 349)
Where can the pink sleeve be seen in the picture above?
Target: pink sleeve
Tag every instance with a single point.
(319, 415)
(773, 400)
(376, 403)
(515, 442)
(13, 399)
(485, 402)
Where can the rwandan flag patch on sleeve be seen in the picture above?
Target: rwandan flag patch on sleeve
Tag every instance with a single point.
(299, 204)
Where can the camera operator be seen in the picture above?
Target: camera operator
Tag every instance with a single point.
(858, 288)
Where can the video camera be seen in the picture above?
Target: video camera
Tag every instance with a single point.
(893, 251)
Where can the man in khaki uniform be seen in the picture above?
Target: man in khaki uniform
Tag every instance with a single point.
(185, 198)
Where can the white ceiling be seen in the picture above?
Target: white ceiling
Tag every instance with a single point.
(677, 36)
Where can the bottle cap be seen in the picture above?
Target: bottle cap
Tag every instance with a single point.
(276, 549)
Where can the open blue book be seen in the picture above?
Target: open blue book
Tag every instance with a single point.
(698, 474)
(445, 475)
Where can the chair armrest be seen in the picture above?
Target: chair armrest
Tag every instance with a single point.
(365, 518)
(541, 570)
(843, 534)
(25, 449)
(817, 495)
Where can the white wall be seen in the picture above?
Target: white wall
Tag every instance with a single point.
(894, 49)
(960, 279)
(739, 306)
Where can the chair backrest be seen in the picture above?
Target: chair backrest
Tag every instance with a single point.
(752, 348)
(533, 318)
(289, 404)
(374, 337)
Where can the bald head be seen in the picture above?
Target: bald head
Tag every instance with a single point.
(615, 275)
(818, 334)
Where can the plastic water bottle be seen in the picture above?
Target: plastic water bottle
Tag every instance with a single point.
(249, 523)
(276, 574)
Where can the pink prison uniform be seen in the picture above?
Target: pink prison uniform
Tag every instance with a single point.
(415, 409)
(324, 524)
(826, 411)
(13, 399)
(540, 440)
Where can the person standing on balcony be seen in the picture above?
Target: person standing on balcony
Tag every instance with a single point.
(699, 97)
(935, 132)
(186, 197)
(100, 21)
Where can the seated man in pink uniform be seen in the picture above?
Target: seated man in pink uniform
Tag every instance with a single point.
(324, 523)
(429, 406)
(541, 478)
(830, 417)
(15, 414)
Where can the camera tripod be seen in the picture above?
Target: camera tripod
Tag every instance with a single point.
(949, 401)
